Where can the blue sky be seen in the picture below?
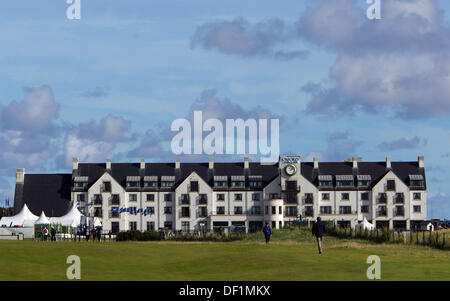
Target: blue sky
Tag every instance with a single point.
(110, 84)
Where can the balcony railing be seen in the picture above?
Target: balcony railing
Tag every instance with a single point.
(290, 188)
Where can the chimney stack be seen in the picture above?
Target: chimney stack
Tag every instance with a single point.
(211, 163)
(421, 161)
(316, 162)
(388, 162)
(108, 164)
(20, 175)
(75, 164)
(142, 163)
(177, 163)
(355, 162)
(246, 165)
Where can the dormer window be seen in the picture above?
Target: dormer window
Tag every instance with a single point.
(364, 181)
(255, 181)
(344, 181)
(325, 181)
(167, 181)
(416, 181)
(237, 181)
(133, 182)
(80, 182)
(220, 181)
(151, 181)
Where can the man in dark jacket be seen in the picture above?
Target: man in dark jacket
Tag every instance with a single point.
(53, 234)
(319, 231)
(267, 232)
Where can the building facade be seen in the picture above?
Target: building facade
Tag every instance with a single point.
(204, 196)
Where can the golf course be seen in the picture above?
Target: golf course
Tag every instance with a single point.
(292, 255)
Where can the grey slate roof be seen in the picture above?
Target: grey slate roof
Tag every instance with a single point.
(51, 192)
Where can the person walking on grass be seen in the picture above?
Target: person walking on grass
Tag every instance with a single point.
(267, 232)
(319, 231)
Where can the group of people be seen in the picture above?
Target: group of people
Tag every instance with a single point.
(318, 230)
(52, 234)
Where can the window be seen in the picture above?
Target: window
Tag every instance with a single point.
(150, 226)
(194, 186)
(280, 210)
(168, 225)
(326, 181)
(382, 198)
(274, 210)
(115, 212)
(325, 209)
(345, 196)
(185, 212)
(416, 183)
(364, 196)
(133, 184)
(133, 226)
(151, 184)
(255, 184)
(399, 211)
(390, 185)
(167, 184)
(238, 196)
(267, 210)
(291, 185)
(107, 186)
(202, 212)
(133, 197)
(220, 196)
(237, 181)
(150, 197)
(255, 210)
(98, 212)
(417, 196)
(399, 198)
(309, 211)
(417, 209)
(291, 211)
(308, 198)
(185, 226)
(220, 210)
(115, 199)
(115, 227)
(291, 198)
(80, 198)
(364, 209)
(345, 209)
(167, 210)
(203, 199)
(237, 210)
(363, 183)
(274, 196)
(256, 197)
(221, 184)
(151, 210)
(97, 199)
(185, 200)
(382, 211)
(168, 197)
(325, 196)
(344, 183)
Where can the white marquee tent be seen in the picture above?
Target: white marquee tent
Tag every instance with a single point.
(24, 218)
(366, 225)
(72, 218)
(42, 220)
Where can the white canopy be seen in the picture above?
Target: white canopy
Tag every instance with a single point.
(72, 218)
(24, 218)
(42, 220)
(97, 222)
(366, 225)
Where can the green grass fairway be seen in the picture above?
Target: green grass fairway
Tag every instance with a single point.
(242, 260)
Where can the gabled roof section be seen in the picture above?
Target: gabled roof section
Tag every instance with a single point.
(47, 192)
